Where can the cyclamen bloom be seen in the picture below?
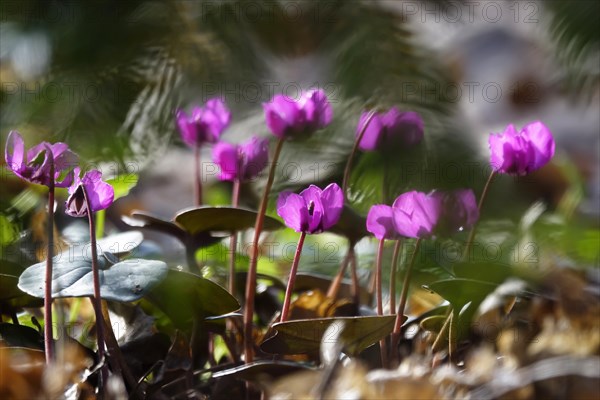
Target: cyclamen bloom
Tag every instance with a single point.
(313, 210)
(390, 130)
(288, 117)
(244, 161)
(35, 165)
(100, 194)
(523, 152)
(380, 222)
(205, 124)
(459, 211)
(416, 214)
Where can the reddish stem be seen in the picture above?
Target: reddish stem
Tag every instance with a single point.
(334, 288)
(235, 197)
(479, 206)
(96, 300)
(382, 342)
(292, 279)
(48, 343)
(397, 247)
(197, 175)
(251, 277)
(353, 152)
(403, 296)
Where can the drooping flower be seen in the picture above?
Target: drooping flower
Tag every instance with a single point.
(35, 165)
(205, 124)
(287, 117)
(390, 130)
(380, 222)
(519, 153)
(459, 211)
(313, 210)
(416, 214)
(244, 161)
(100, 194)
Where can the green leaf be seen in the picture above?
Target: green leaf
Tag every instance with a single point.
(461, 291)
(125, 281)
(305, 336)
(183, 296)
(123, 184)
(8, 231)
(221, 219)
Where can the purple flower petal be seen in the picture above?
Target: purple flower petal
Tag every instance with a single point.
(187, 128)
(372, 136)
(459, 211)
(14, 153)
(542, 143)
(416, 214)
(314, 207)
(99, 193)
(403, 128)
(292, 208)
(225, 155)
(380, 222)
(332, 199)
(523, 152)
(205, 124)
(317, 109)
(282, 115)
(35, 165)
(256, 156)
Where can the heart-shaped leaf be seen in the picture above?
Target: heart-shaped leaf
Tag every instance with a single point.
(461, 291)
(119, 244)
(125, 281)
(488, 272)
(305, 336)
(142, 219)
(183, 296)
(221, 219)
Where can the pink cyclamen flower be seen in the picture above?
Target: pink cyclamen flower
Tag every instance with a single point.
(519, 153)
(390, 130)
(380, 222)
(313, 210)
(244, 161)
(416, 214)
(35, 165)
(459, 211)
(205, 124)
(100, 194)
(287, 117)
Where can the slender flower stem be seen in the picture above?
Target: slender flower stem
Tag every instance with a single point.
(382, 342)
(479, 206)
(251, 277)
(48, 343)
(334, 287)
(96, 300)
(292, 279)
(235, 198)
(403, 297)
(348, 167)
(197, 176)
(397, 247)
